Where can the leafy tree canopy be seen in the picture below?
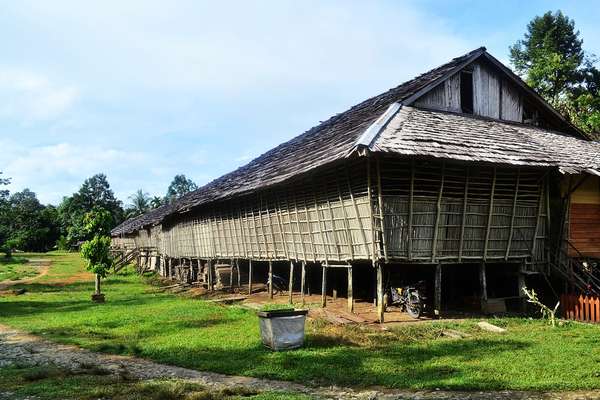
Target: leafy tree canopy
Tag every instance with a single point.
(94, 193)
(180, 186)
(551, 59)
(140, 203)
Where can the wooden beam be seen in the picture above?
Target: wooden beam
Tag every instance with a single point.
(537, 222)
(350, 290)
(303, 281)
(464, 216)
(298, 227)
(270, 279)
(380, 305)
(483, 285)
(291, 283)
(250, 276)
(381, 216)
(321, 231)
(512, 218)
(332, 221)
(490, 216)
(438, 213)
(346, 222)
(324, 287)
(239, 275)
(231, 275)
(356, 212)
(371, 219)
(437, 297)
(272, 232)
(410, 209)
(211, 285)
(281, 232)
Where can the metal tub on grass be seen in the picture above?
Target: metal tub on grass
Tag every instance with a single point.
(282, 329)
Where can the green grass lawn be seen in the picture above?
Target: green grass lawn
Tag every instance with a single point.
(14, 268)
(139, 320)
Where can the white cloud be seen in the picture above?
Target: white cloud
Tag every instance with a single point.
(58, 170)
(30, 97)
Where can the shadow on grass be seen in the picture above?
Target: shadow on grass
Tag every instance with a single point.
(443, 364)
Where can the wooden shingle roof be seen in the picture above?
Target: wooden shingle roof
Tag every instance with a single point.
(430, 133)
(339, 136)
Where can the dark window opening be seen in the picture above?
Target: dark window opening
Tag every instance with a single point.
(466, 92)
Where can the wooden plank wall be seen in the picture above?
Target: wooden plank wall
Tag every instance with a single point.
(585, 229)
(584, 217)
(445, 97)
(493, 95)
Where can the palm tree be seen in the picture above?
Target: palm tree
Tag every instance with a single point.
(140, 203)
(156, 202)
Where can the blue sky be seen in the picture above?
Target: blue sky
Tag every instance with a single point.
(144, 90)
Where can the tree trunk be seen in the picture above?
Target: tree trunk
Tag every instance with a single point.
(98, 284)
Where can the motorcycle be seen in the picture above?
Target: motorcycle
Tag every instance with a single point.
(408, 298)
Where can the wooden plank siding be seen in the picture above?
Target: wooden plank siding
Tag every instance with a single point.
(493, 95)
(584, 229)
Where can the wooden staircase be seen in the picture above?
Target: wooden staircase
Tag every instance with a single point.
(124, 258)
(580, 272)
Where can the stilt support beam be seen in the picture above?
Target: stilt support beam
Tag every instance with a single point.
(324, 287)
(380, 305)
(350, 294)
(483, 284)
(291, 283)
(250, 276)
(270, 279)
(437, 298)
(303, 282)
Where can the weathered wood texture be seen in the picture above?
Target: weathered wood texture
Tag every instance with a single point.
(493, 95)
(584, 229)
(444, 97)
(483, 213)
(580, 308)
(428, 211)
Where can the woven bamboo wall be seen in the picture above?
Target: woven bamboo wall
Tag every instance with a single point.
(430, 211)
(325, 219)
(440, 211)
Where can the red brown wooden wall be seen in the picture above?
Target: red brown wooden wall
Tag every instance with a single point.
(585, 229)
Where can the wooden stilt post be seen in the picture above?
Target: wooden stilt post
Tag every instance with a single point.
(231, 275)
(380, 305)
(303, 281)
(437, 298)
(211, 285)
(291, 283)
(521, 284)
(350, 294)
(239, 275)
(270, 279)
(334, 284)
(324, 287)
(250, 276)
(483, 284)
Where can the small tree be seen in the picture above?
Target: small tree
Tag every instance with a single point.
(97, 250)
(547, 312)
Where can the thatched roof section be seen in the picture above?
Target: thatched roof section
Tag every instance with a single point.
(428, 133)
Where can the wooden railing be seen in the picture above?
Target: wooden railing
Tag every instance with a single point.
(580, 308)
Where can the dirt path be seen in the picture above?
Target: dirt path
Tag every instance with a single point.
(44, 267)
(19, 347)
